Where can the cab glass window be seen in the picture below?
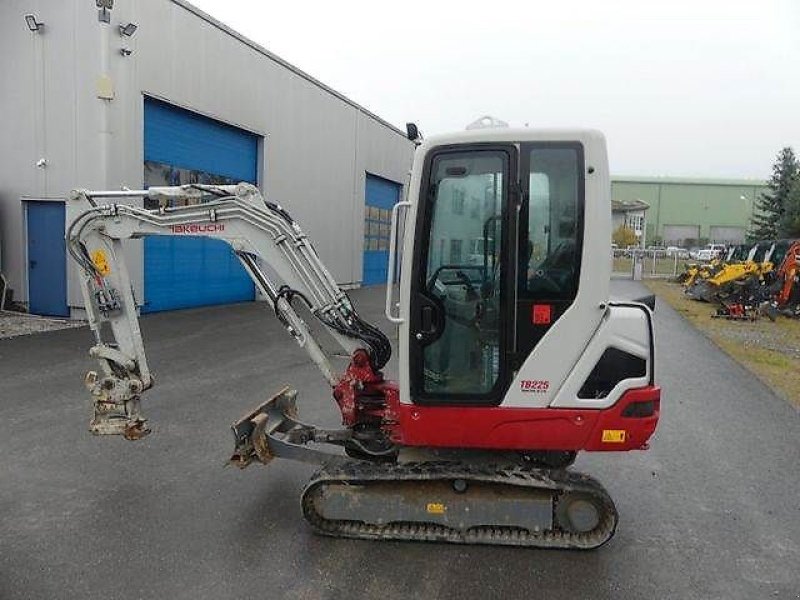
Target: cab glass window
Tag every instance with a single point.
(463, 271)
(552, 217)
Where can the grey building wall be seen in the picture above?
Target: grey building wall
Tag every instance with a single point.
(317, 144)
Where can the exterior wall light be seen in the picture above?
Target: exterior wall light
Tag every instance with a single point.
(34, 25)
(104, 5)
(128, 30)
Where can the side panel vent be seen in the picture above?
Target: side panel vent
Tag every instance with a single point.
(614, 366)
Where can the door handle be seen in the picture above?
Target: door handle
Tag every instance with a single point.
(427, 319)
(430, 319)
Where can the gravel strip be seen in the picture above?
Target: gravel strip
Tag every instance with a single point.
(14, 324)
(767, 336)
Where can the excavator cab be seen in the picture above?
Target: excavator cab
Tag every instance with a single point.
(529, 326)
(466, 337)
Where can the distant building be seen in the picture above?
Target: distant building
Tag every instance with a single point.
(631, 214)
(689, 212)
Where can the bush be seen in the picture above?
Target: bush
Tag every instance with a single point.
(624, 237)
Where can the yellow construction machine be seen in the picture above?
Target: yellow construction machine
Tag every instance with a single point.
(720, 278)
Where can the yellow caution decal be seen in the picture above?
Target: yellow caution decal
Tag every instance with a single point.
(614, 436)
(436, 508)
(100, 261)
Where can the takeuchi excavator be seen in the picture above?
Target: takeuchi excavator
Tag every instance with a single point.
(512, 358)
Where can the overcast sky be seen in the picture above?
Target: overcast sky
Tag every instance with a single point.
(707, 88)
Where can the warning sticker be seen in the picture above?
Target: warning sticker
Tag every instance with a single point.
(436, 508)
(100, 261)
(614, 436)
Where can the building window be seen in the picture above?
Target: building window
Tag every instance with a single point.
(455, 252)
(635, 222)
(376, 228)
(161, 174)
(458, 201)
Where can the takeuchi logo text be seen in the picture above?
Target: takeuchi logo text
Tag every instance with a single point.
(194, 228)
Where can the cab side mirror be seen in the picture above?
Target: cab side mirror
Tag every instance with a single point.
(412, 131)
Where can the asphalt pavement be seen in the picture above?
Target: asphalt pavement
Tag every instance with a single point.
(712, 510)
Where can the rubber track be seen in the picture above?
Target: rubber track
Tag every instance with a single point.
(560, 482)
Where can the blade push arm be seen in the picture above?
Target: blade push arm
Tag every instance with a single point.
(259, 232)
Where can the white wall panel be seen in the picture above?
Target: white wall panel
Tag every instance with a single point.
(317, 145)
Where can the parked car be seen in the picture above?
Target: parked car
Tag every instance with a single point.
(657, 251)
(711, 251)
(681, 253)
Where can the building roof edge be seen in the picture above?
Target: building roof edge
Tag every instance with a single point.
(688, 180)
(275, 58)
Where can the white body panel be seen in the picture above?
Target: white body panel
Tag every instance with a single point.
(570, 349)
(623, 327)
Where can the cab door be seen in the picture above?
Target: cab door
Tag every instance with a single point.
(462, 297)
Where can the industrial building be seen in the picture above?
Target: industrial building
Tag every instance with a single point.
(158, 92)
(111, 94)
(688, 212)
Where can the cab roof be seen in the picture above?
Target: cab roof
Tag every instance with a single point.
(518, 134)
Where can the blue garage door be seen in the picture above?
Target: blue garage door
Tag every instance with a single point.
(183, 147)
(381, 195)
(47, 264)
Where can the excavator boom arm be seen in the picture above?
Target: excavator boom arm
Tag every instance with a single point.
(261, 233)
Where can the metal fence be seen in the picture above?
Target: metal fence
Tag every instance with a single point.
(650, 263)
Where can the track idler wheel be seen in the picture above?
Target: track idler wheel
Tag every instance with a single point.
(577, 513)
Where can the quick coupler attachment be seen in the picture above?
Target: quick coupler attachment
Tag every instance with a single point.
(116, 407)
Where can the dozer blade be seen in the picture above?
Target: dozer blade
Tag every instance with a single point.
(273, 431)
(251, 432)
(460, 503)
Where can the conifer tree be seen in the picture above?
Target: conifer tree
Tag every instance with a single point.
(789, 225)
(770, 205)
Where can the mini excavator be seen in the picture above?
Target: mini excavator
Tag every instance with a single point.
(512, 359)
(786, 288)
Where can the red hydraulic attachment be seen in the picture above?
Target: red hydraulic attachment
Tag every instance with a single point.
(363, 395)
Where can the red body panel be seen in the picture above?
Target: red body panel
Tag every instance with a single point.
(499, 428)
(365, 398)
